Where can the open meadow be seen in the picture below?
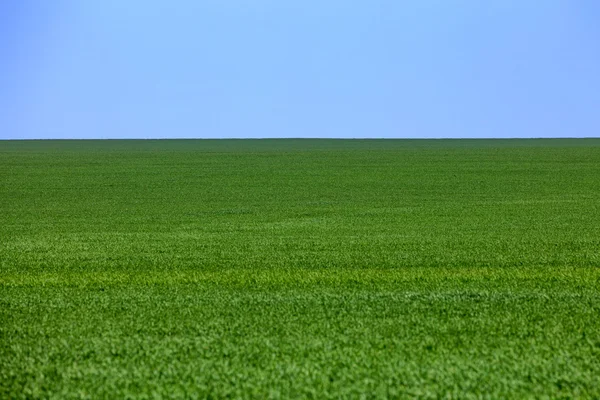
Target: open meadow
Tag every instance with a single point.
(300, 269)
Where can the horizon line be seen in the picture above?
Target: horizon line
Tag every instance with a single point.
(307, 138)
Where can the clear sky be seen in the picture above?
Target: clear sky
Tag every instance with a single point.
(299, 68)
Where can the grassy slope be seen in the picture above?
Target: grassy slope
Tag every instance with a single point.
(299, 268)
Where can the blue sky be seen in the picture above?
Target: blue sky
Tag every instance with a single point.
(299, 68)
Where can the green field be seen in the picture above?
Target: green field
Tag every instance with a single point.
(300, 269)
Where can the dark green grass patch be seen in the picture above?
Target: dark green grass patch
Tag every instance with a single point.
(300, 268)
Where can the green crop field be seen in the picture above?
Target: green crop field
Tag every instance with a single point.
(300, 269)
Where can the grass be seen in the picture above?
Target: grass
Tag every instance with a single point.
(300, 268)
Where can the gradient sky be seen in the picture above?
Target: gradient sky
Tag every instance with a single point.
(299, 68)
